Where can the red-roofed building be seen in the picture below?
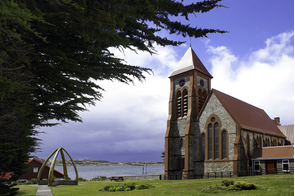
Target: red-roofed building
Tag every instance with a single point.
(33, 168)
(210, 132)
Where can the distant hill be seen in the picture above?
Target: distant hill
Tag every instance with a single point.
(95, 162)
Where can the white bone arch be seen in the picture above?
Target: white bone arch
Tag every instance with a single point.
(51, 170)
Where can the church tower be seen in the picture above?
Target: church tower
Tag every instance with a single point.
(190, 84)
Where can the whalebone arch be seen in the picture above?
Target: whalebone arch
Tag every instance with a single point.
(51, 181)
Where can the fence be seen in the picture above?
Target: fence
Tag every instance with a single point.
(232, 174)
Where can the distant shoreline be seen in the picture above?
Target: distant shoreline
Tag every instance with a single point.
(95, 162)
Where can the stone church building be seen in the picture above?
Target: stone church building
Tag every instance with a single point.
(209, 131)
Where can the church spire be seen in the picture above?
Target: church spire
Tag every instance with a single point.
(190, 61)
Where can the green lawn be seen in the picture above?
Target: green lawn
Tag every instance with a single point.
(26, 190)
(267, 185)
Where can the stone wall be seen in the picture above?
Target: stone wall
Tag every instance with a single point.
(227, 123)
(144, 177)
(218, 166)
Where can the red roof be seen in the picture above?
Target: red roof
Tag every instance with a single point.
(190, 61)
(274, 152)
(6, 175)
(32, 159)
(246, 115)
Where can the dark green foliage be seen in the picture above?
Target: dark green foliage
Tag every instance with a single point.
(227, 182)
(8, 190)
(126, 187)
(33, 181)
(230, 185)
(82, 179)
(99, 178)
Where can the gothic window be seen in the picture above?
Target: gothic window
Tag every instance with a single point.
(203, 146)
(224, 146)
(274, 142)
(216, 140)
(179, 160)
(248, 145)
(213, 144)
(181, 103)
(200, 99)
(180, 142)
(204, 97)
(258, 142)
(178, 104)
(210, 141)
(185, 103)
(183, 163)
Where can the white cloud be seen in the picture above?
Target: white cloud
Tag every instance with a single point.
(265, 79)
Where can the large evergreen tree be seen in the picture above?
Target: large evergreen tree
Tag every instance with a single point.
(55, 52)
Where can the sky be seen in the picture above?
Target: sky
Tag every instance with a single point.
(253, 62)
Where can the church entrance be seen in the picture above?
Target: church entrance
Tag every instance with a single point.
(271, 166)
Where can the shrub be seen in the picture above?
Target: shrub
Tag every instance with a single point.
(227, 182)
(229, 185)
(112, 189)
(33, 181)
(131, 186)
(143, 186)
(120, 188)
(82, 179)
(99, 178)
(126, 187)
(106, 188)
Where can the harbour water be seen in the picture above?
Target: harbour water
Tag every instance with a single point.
(89, 172)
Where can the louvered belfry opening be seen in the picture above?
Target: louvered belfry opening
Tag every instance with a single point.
(178, 104)
(185, 103)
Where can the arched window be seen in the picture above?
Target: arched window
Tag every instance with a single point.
(204, 97)
(183, 163)
(210, 141)
(178, 104)
(200, 99)
(185, 103)
(224, 146)
(213, 136)
(203, 146)
(216, 140)
(180, 142)
(248, 145)
(179, 160)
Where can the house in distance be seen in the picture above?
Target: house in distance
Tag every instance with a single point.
(210, 132)
(33, 168)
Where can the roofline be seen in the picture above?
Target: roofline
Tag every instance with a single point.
(33, 159)
(170, 75)
(272, 158)
(261, 132)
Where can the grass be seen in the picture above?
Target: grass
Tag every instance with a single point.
(266, 185)
(26, 190)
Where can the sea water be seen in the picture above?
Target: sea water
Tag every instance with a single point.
(89, 172)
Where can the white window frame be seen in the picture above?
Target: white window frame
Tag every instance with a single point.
(255, 163)
(286, 162)
(35, 169)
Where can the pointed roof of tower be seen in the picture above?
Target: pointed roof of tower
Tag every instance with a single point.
(190, 61)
